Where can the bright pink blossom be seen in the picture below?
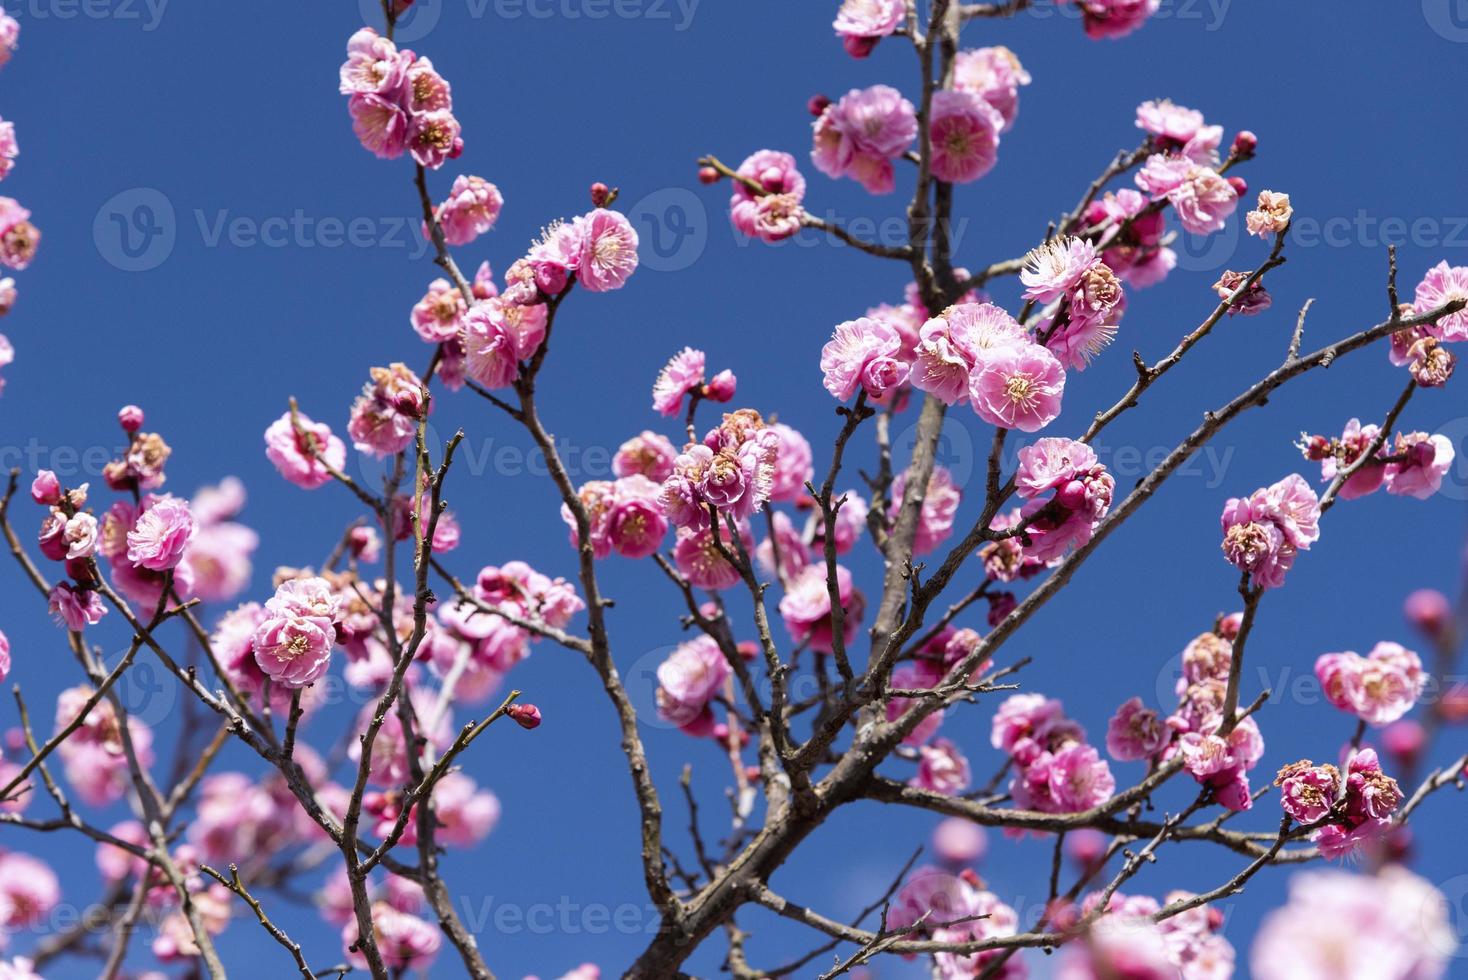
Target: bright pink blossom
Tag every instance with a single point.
(300, 455)
(649, 454)
(682, 375)
(608, 250)
(162, 533)
(993, 74)
(775, 214)
(806, 607)
(964, 131)
(1444, 284)
(472, 207)
(863, 353)
(942, 769)
(1018, 387)
(1115, 18)
(75, 608)
(689, 679)
(9, 149)
(1425, 460)
(385, 416)
(1135, 732)
(940, 506)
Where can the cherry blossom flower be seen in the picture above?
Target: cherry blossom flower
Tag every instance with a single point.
(682, 375)
(472, 208)
(1203, 200)
(1254, 300)
(775, 214)
(699, 559)
(648, 453)
(302, 450)
(9, 37)
(385, 416)
(29, 890)
(689, 679)
(964, 131)
(374, 65)
(75, 608)
(863, 353)
(4, 658)
(862, 134)
(406, 942)
(960, 841)
(1172, 124)
(161, 534)
(1018, 387)
(636, 525)
(439, 315)
(1115, 18)
(952, 344)
(608, 250)
(1135, 732)
(497, 336)
(793, 465)
(1264, 532)
(868, 19)
(1307, 792)
(1054, 269)
(1430, 363)
(1423, 462)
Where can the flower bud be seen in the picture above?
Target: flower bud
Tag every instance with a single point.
(1404, 741)
(1072, 496)
(708, 175)
(1428, 610)
(817, 104)
(721, 388)
(46, 489)
(859, 47)
(1239, 184)
(600, 194)
(527, 716)
(1245, 143)
(130, 417)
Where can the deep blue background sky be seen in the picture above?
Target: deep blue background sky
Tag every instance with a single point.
(232, 114)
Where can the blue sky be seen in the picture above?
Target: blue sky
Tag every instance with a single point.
(267, 255)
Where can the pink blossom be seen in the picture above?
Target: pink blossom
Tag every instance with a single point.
(1307, 792)
(1055, 269)
(374, 65)
(699, 560)
(1052, 463)
(806, 607)
(863, 353)
(75, 608)
(18, 237)
(29, 890)
(1203, 201)
(964, 131)
(385, 416)
(1172, 123)
(1271, 217)
(9, 149)
(1253, 300)
(681, 375)
(1429, 611)
(868, 18)
(1430, 363)
(472, 207)
(1427, 460)
(648, 454)
(951, 344)
(9, 37)
(405, 941)
(608, 250)
(1018, 387)
(1135, 732)
(793, 552)
(465, 814)
(1116, 946)
(438, 316)
(46, 488)
(4, 658)
(380, 123)
(860, 135)
(303, 456)
(793, 466)
(1025, 718)
(689, 679)
(497, 336)
(775, 214)
(1340, 925)
(80, 535)
(1340, 454)
(1444, 284)
(162, 533)
(849, 527)
(1378, 688)
(941, 769)
(1263, 532)
(959, 841)
(931, 898)
(921, 675)
(993, 74)
(1115, 18)
(636, 525)
(1079, 779)
(433, 136)
(940, 506)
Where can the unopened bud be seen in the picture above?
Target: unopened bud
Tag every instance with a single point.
(708, 175)
(527, 716)
(600, 194)
(817, 105)
(1245, 143)
(130, 417)
(721, 388)
(1239, 184)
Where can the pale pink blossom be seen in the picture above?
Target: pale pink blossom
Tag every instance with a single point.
(1055, 268)
(1426, 460)
(863, 353)
(682, 375)
(942, 769)
(1335, 456)
(960, 841)
(1018, 387)
(1171, 123)
(1264, 532)
(689, 679)
(1135, 732)
(75, 608)
(464, 814)
(793, 465)
(940, 506)
(384, 418)
(374, 64)
(1378, 688)
(9, 37)
(496, 337)
(806, 607)
(1203, 200)
(789, 545)
(29, 890)
(381, 124)
(302, 450)
(9, 149)
(649, 454)
(698, 558)
(1444, 284)
(161, 534)
(405, 941)
(80, 535)
(995, 75)
(860, 135)
(964, 132)
(1271, 217)
(868, 18)
(439, 315)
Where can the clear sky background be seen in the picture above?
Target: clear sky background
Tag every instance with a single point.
(225, 122)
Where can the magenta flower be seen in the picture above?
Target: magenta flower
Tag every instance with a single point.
(863, 353)
(994, 75)
(472, 208)
(1135, 732)
(1018, 387)
(1442, 285)
(385, 416)
(648, 453)
(689, 679)
(1115, 18)
(1055, 269)
(75, 608)
(294, 650)
(682, 374)
(1263, 532)
(1307, 792)
(299, 456)
(608, 250)
(380, 123)
(496, 337)
(964, 131)
(162, 533)
(952, 343)
(941, 769)
(635, 524)
(777, 213)
(860, 135)
(698, 559)
(806, 607)
(1426, 460)
(1378, 688)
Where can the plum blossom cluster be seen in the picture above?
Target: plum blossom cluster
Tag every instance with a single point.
(625, 515)
(956, 909)
(1124, 941)
(1348, 814)
(398, 102)
(1056, 770)
(730, 474)
(1067, 493)
(683, 377)
(1182, 172)
(767, 196)
(1378, 688)
(1265, 531)
(1409, 464)
(941, 765)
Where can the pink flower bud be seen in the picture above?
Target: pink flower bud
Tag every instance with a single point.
(721, 388)
(1428, 610)
(859, 47)
(1228, 626)
(1239, 184)
(959, 841)
(1404, 740)
(817, 104)
(1072, 496)
(1454, 705)
(708, 175)
(1245, 143)
(600, 194)
(1085, 847)
(527, 716)
(130, 417)
(45, 488)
